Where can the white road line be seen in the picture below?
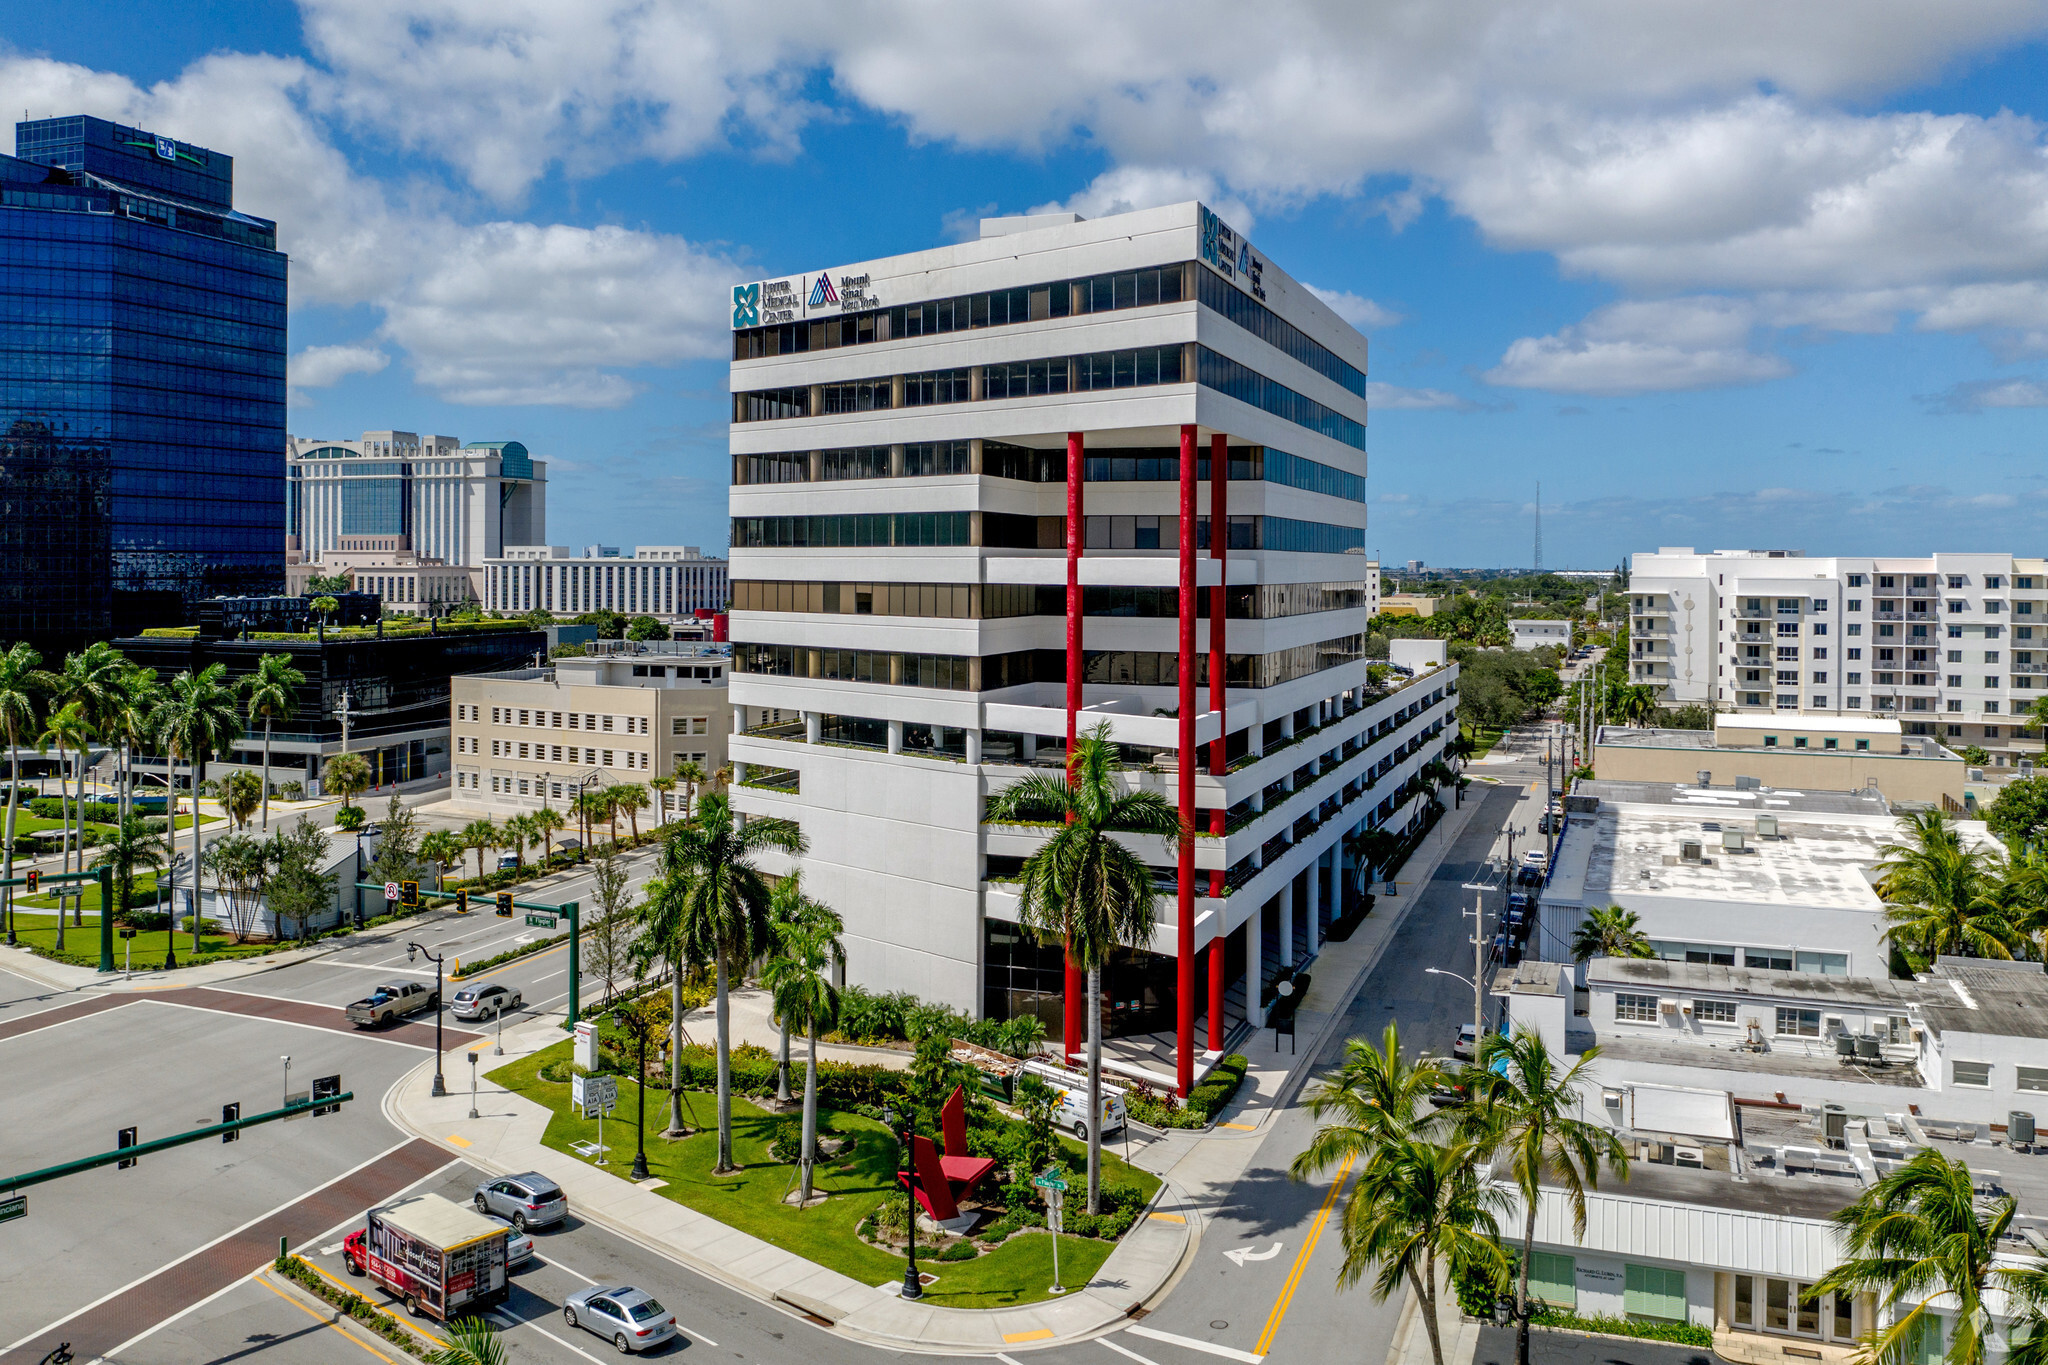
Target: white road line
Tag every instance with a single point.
(552, 975)
(116, 1293)
(291, 1023)
(559, 1266)
(189, 1309)
(1227, 1352)
(1005, 1359)
(1125, 1351)
(563, 1344)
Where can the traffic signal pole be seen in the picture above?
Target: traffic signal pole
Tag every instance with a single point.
(569, 910)
(35, 881)
(129, 1153)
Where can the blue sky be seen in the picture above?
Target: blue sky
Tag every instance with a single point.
(1716, 274)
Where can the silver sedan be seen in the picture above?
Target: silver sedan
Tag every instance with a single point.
(631, 1319)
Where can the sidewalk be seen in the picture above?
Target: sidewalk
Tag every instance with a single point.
(1458, 1334)
(508, 1137)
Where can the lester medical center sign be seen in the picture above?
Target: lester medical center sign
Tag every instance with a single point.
(794, 298)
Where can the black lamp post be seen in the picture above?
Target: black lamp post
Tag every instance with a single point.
(632, 1021)
(913, 1288)
(1505, 1313)
(440, 1087)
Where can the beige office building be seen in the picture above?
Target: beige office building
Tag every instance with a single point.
(627, 712)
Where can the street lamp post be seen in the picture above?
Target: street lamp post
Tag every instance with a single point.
(472, 1085)
(440, 1086)
(913, 1288)
(633, 1021)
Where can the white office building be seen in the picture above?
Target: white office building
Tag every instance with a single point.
(668, 582)
(1945, 642)
(1539, 634)
(447, 502)
(973, 497)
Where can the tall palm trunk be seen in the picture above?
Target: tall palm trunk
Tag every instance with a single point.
(266, 773)
(63, 834)
(198, 776)
(1522, 1286)
(1094, 1090)
(675, 1048)
(782, 1067)
(724, 1074)
(75, 819)
(810, 1147)
(1424, 1286)
(13, 802)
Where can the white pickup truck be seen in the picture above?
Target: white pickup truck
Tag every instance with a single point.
(392, 1001)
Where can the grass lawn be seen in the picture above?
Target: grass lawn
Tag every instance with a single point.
(1484, 738)
(1019, 1271)
(145, 887)
(82, 942)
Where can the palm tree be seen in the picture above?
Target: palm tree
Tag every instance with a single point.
(1941, 897)
(67, 729)
(631, 798)
(2023, 892)
(240, 792)
(589, 806)
(1918, 1235)
(1083, 888)
(326, 607)
(272, 693)
(516, 832)
(799, 976)
(22, 682)
(94, 678)
(140, 694)
(788, 906)
(545, 822)
(2026, 1289)
(132, 845)
(471, 1341)
(662, 787)
(479, 834)
(1417, 1203)
(714, 899)
(1523, 1111)
(1610, 931)
(691, 774)
(442, 847)
(345, 774)
(1376, 1096)
(196, 720)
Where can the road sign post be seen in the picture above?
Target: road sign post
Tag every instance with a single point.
(13, 1208)
(390, 891)
(1053, 1182)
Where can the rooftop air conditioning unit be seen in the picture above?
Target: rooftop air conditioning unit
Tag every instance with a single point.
(1767, 827)
(1688, 1156)
(1831, 1023)
(1706, 778)
(1747, 784)
(1690, 851)
(1668, 1006)
(1731, 840)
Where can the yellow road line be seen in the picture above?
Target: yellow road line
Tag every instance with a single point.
(330, 1326)
(1308, 1248)
(347, 1289)
(1036, 1334)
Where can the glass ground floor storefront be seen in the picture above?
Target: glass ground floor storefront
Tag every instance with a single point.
(1022, 976)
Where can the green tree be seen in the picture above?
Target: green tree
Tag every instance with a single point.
(349, 819)
(789, 905)
(539, 619)
(196, 720)
(631, 798)
(471, 1341)
(130, 723)
(67, 730)
(611, 947)
(93, 678)
(715, 897)
(1375, 1097)
(480, 834)
(240, 864)
(398, 846)
(1524, 1112)
(240, 793)
(610, 624)
(271, 694)
(1416, 1205)
(329, 583)
(646, 628)
(2019, 813)
(324, 607)
(545, 822)
(690, 773)
(1610, 931)
(1084, 889)
(517, 832)
(134, 843)
(1918, 1235)
(346, 775)
(799, 980)
(298, 890)
(443, 848)
(1942, 897)
(1035, 1102)
(662, 787)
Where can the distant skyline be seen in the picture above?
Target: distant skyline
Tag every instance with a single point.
(1723, 275)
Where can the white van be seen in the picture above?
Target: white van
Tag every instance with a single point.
(1070, 1112)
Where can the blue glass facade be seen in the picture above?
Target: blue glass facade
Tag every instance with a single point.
(142, 349)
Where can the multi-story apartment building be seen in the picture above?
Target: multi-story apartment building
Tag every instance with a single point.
(625, 712)
(976, 503)
(1954, 645)
(668, 582)
(458, 504)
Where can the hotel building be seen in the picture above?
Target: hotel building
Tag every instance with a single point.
(1954, 646)
(991, 495)
(447, 502)
(668, 582)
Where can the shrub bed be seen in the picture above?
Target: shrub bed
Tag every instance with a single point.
(470, 969)
(355, 1305)
(1683, 1333)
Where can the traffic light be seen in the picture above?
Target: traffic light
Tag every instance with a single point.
(230, 1113)
(505, 904)
(35, 879)
(125, 1138)
(462, 902)
(325, 1088)
(409, 893)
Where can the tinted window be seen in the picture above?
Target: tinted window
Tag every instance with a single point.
(643, 1311)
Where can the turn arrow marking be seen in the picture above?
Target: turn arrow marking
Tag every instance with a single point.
(1243, 1254)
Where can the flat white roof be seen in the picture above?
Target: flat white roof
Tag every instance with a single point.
(438, 1222)
(1809, 720)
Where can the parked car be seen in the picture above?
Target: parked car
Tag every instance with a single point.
(631, 1319)
(527, 1200)
(1450, 1095)
(1468, 1039)
(507, 862)
(1546, 823)
(390, 1002)
(1536, 859)
(487, 1001)
(518, 1245)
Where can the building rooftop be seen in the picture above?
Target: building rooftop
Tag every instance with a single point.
(2009, 999)
(1806, 720)
(1753, 801)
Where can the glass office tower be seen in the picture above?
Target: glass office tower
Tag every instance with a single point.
(142, 392)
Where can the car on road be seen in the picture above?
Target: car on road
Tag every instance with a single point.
(1535, 859)
(1546, 823)
(487, 1001)
(1468, 1039)
(526, 1200)
(518, 1245)
(1450, 1095)
(631, 1319)
(392, 1001)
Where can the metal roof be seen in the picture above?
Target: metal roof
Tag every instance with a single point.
(438, 1222)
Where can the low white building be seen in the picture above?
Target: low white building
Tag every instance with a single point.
(668, 582)
(1536, 634)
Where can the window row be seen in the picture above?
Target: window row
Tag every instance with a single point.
(997, 601)
(1766, 959)
(1277, 332)
(554, 720)
(1000, 530)
(989, 672)
(558, 753)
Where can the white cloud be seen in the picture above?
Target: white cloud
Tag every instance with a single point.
(322, 367)
(1128, 188)
(1378, 395)
(1986, 394)
(1643, 347)
(1355, 309)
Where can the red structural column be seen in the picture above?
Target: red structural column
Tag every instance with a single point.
(1184, 767)
(1219, 698)
(1076, 984)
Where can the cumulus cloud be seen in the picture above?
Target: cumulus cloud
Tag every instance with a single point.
(1643, 347)
(1355, 309)
(322, 367)
(1986, 394)
(1378, 395)
(1128, 188)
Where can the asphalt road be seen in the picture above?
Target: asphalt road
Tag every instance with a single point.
(1497, 1347)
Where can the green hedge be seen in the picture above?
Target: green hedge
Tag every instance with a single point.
(1683, 1333)
(355, 1305)
(470, 969)
(1218, 1087)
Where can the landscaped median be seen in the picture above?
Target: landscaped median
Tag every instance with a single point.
(1003, 1263)
(355, 1306)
